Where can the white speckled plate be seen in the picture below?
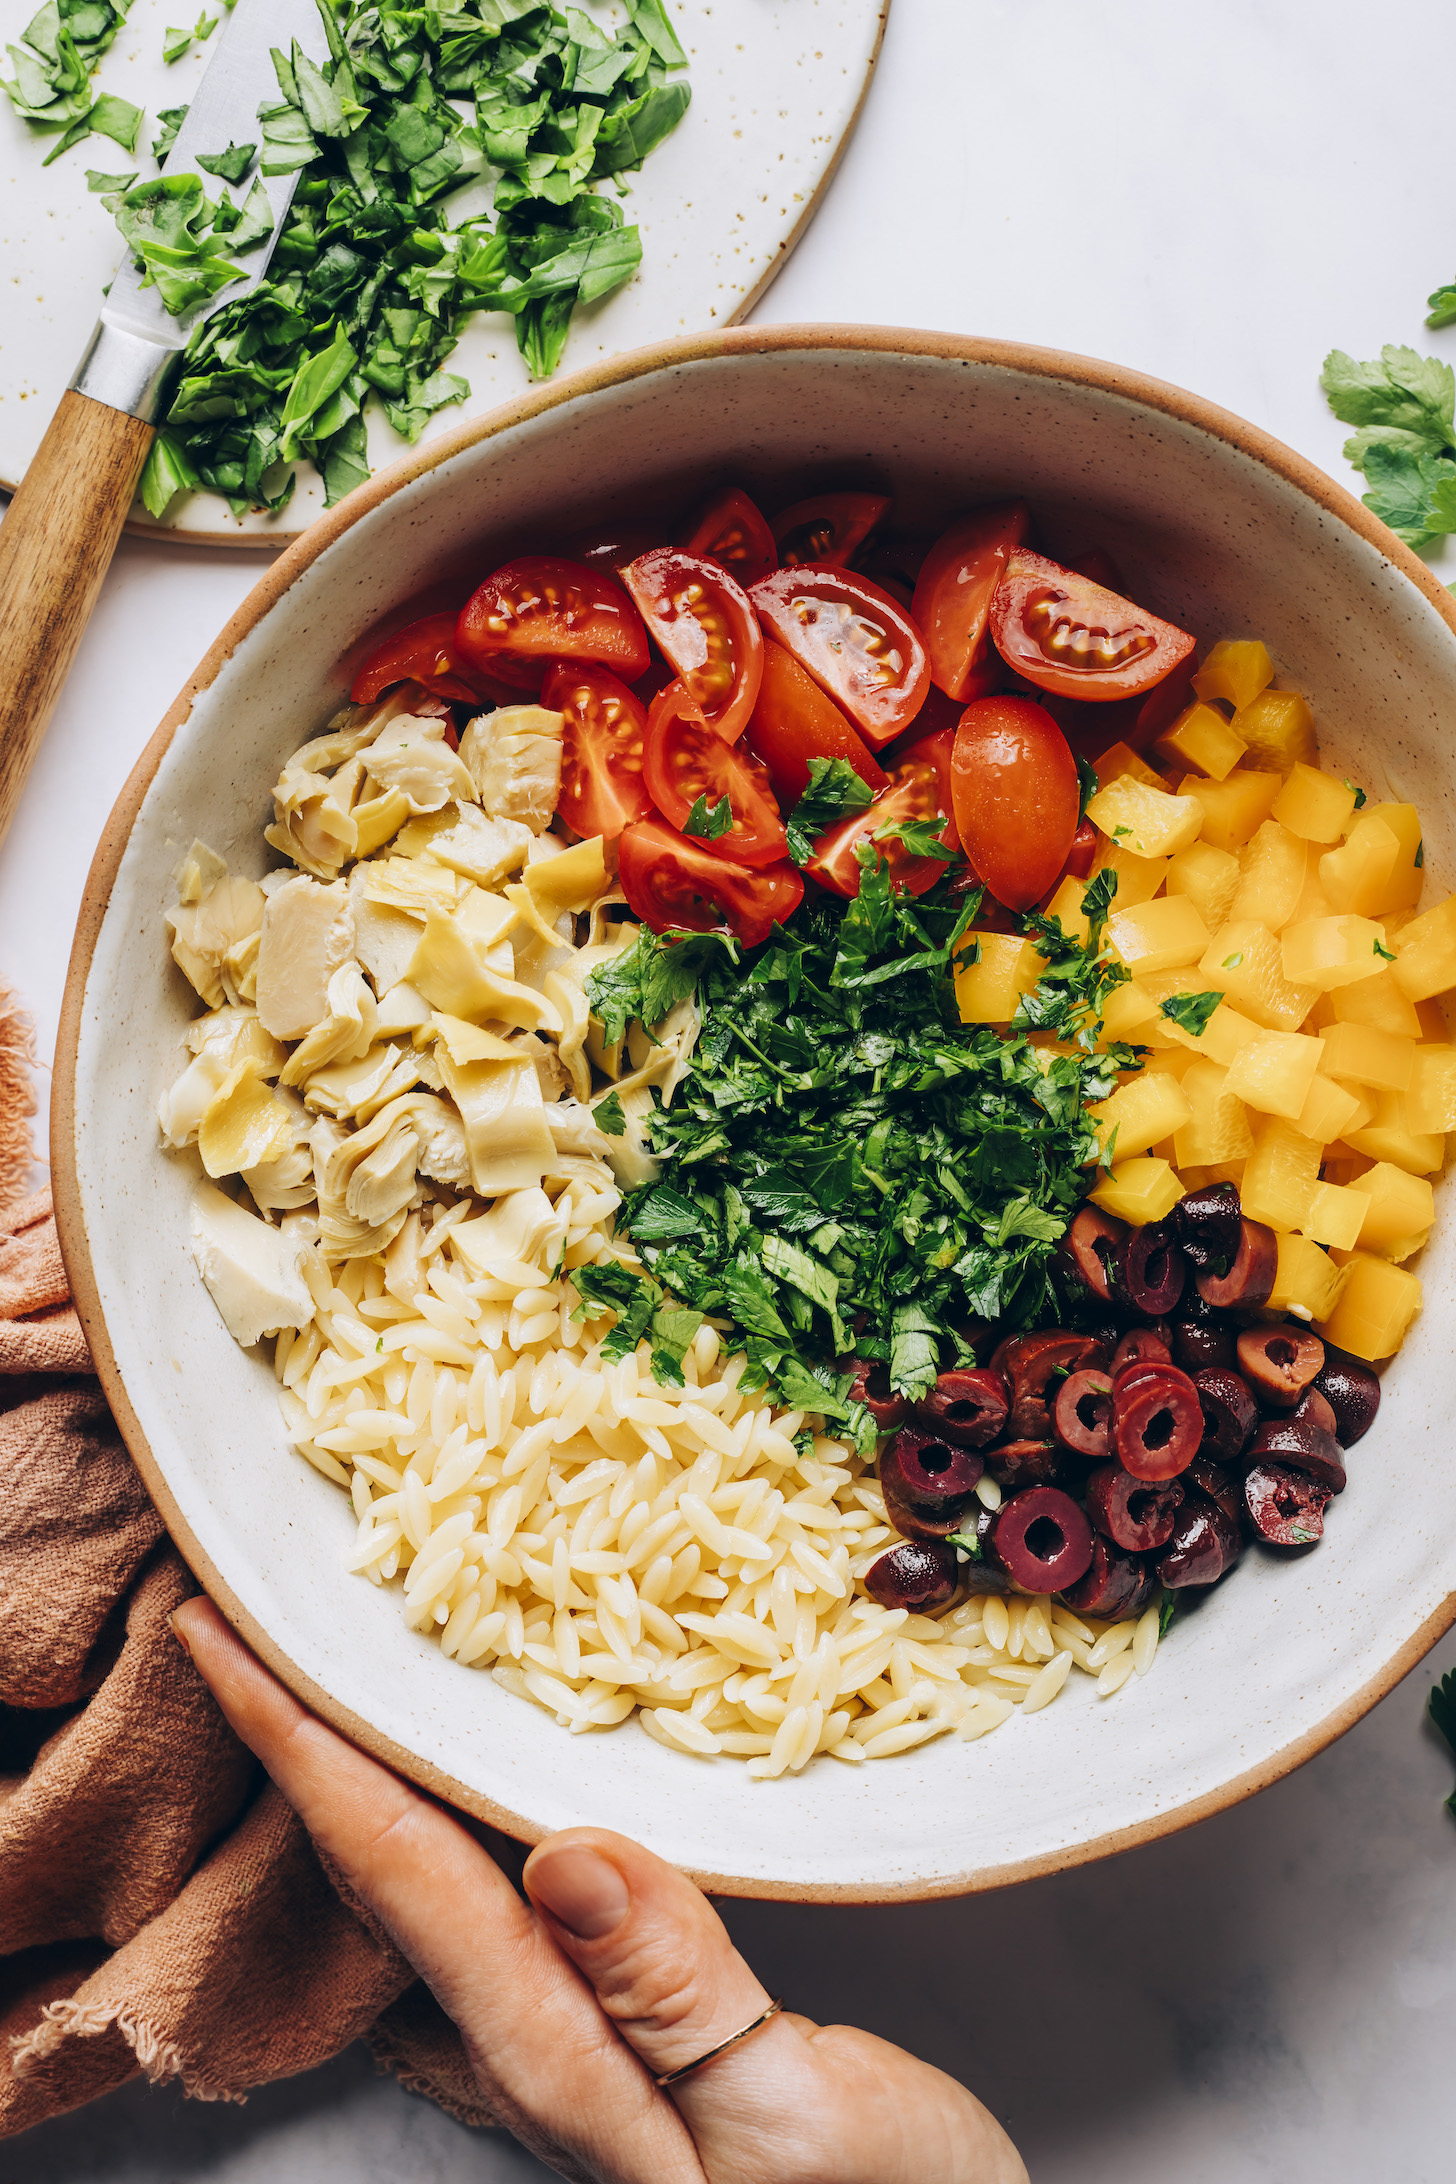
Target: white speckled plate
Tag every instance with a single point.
(1215, 525)
(777, 86)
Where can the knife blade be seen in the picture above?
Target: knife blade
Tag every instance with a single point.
(137, 343)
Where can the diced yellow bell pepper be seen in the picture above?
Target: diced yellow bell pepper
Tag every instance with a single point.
(1306, 1282)
(1365, 1055)
(1278, 728)
(1400, 1213)
(1335, 1214)
(1431, 1098)
(988, 990)
(1202, 737)
(1313, 804)
(1378, 1001)
(1273, 1075)
(1330, 952)
(1390, 1137)
(1329, 1110)
(1234, 808)
(1356, 876)
(1244, 958)
(1128, 1011)
(1236, 670)
(1217, 1129)
(1138, 1191)
(1280, 1175)
(1272, 872)
(1140, 1113)
(1119, 759)
(1148, 821)
(1158, 936)
(1403, 890)
(1225, 1033)
(1209, 877)
(1374, 1308)
(1425, 952)
(1313, 901)
(1066, 906)
(1138, 878)
(1434, 1026)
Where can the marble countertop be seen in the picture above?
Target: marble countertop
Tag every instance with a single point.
(1219, 197)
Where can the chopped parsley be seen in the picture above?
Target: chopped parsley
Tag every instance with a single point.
(1191, 1011)
(1086, 787)
(922, 837)
(1386, 955)
(835, 790)
(1232, 962)
(1359, 794)
(1405, 442)
(608, 1116)
(847, 1166)
(709, 821)
(59, 52)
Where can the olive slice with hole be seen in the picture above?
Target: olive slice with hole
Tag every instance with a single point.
(1249, 1275)
(1137, 1514)
(1115, 1585)
(1352, 1392)
(1286, 1508)
(1280, 1361)
(1091, 1244)
(1042, 1539)
(1300, 1445)
(1082, 1413)
(968, 1408)
(1157, 1421)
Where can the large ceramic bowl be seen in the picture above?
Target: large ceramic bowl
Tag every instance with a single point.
(1215, 526)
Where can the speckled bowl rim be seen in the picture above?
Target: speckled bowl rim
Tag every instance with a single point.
(1056, 364)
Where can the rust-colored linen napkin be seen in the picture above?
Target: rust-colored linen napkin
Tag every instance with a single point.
(161, 1908)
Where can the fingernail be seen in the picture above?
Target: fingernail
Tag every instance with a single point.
(179, 1634)
(581, 1889)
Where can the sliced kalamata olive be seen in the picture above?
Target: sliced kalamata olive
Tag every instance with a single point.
(1138, 1514)
(1029, 1362)
(1141, 1346)
(1251, 1271)
(917, 1574)
(926, 1483)
(1205, 1544)
(1352, 1392)
(1018, 1464)
(1157, 1422)
(1150, 1270)
(1090, 1245)
(1219, 1485)
(1082, 1413)
(1042, 1539)
(968, 1408)
(871, 1386)
(1230, 1413)
(1115, 1584)
(1287, 1508)
(1280, 1361)
(1300, 1445)
(1197, 1344)
(1208, 1225)
(1312, 1406)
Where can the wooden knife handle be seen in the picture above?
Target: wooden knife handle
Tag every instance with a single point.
(56, 544)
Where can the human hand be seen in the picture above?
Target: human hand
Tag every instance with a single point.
(617, 1971)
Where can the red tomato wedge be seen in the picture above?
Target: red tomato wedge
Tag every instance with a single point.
(793, 722)
(422, 652)
(855, 640)
(826, 528)
(1014, 782)
(731, 532)
(602, 789)
(670, 880)
(683, 759)
(1079, 862)
(542, 607)
(953, 594)
(706, 627)
(918, 787)
(1066, 634)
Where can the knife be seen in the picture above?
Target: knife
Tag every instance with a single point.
(64, 521)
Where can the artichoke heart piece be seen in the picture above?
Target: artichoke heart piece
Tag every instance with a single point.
(466, 841)
(402, 1008)
(385, 938)
(500, 1104)
(350, 1088)
(312, 823)
(342, 1234)
(199, 870)
(378, 819)
(373, 1170)
(251, 1271)
(285, 1182)
(182, 1106)
(574, 881)
(308, 935)
(245, 1125)
(205, 931)
(521, 1225)
(449, 972)
(567, 998)
(407, 883)
(235, 1033)
(514, 758)
(468, 1043)
(411, 755)
(347, 1031)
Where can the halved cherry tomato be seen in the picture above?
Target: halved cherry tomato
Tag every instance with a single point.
(793, 722)
(610, 544)
(683, 759)
(1079, 862)
(855, 640)
(542, 606)
(706, 627)
(1161, 708)
(1092, 729)
(825, 529)
(1066, 634)
(422, 652)
(919, 787)
(731, 532)
(953, 594)
(602, 789)
(1014, 782)
(671, 880)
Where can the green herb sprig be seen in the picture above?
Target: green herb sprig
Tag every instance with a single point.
(59, 51)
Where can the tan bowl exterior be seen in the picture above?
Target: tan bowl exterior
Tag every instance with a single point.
(1216, 526)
